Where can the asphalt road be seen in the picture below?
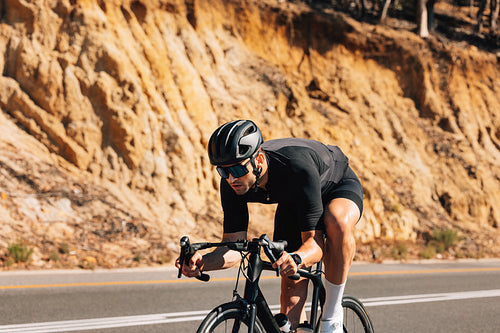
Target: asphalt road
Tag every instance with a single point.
(440, 297)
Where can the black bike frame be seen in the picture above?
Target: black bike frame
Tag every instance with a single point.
(253, 302)
(256, 303)
(319, 294)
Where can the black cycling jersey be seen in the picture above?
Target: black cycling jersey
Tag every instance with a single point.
(302, 175)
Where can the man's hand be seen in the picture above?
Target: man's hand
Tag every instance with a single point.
(191, 268)
(286, 264)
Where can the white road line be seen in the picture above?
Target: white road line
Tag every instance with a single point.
(175, 317)
(377, 301)
(109, 322)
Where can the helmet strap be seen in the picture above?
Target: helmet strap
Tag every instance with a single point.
(256, 172)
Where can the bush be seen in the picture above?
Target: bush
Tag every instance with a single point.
(399, 251)
(445, 237)
(429, 252)
(20, 252)
(54, 256)
(439, 242)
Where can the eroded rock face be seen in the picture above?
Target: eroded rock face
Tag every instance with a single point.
(119, 98)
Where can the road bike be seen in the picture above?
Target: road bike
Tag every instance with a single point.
(251, 313)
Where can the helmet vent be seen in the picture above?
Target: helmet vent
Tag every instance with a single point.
(234, 142)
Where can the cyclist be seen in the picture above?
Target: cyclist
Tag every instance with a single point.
(316, 192)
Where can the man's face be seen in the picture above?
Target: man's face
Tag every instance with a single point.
(243, 184)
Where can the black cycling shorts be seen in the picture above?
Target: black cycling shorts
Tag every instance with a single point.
(286, 226)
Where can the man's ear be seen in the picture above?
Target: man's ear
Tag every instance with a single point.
(261, 158)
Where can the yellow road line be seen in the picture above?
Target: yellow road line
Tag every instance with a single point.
(185, 280)
(117, 283)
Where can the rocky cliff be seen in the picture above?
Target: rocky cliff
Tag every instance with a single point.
(107, 107)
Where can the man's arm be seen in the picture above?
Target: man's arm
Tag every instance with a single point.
(220, 258)
(223, 257)
(311, 252)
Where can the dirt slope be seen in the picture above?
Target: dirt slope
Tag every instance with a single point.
(107, 107)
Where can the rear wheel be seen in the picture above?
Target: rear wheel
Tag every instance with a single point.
(356, 318)
(229, 317)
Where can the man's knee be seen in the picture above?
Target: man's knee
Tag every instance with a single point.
(341, 216)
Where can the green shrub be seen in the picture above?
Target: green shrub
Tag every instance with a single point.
(445, 237)
(429, 252)
(54, 256)
(20, 252)
(399, 251)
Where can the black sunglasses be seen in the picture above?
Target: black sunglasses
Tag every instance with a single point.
(238, 170)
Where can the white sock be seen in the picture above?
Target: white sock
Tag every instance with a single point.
(333, 314)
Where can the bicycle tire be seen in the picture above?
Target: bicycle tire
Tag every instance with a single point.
(223, 318)
(356, 318)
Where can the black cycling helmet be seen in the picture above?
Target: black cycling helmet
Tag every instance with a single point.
(234, 142)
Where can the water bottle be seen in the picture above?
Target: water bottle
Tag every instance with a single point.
(304, 328)
(283, 322)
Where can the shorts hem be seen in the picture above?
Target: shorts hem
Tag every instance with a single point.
(354, 197)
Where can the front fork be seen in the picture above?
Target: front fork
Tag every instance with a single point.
(259, 308)
(255, 301)
(253, 315)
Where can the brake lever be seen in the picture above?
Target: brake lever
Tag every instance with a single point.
(269, 250)
(187, 251)
(184, 243)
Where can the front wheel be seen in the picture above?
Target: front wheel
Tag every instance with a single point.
(229, 317)
(356, 318)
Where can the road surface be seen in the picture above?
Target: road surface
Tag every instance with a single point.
(461, 296)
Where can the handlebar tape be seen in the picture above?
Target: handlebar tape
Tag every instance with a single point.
(187, 251)
(203, 277)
